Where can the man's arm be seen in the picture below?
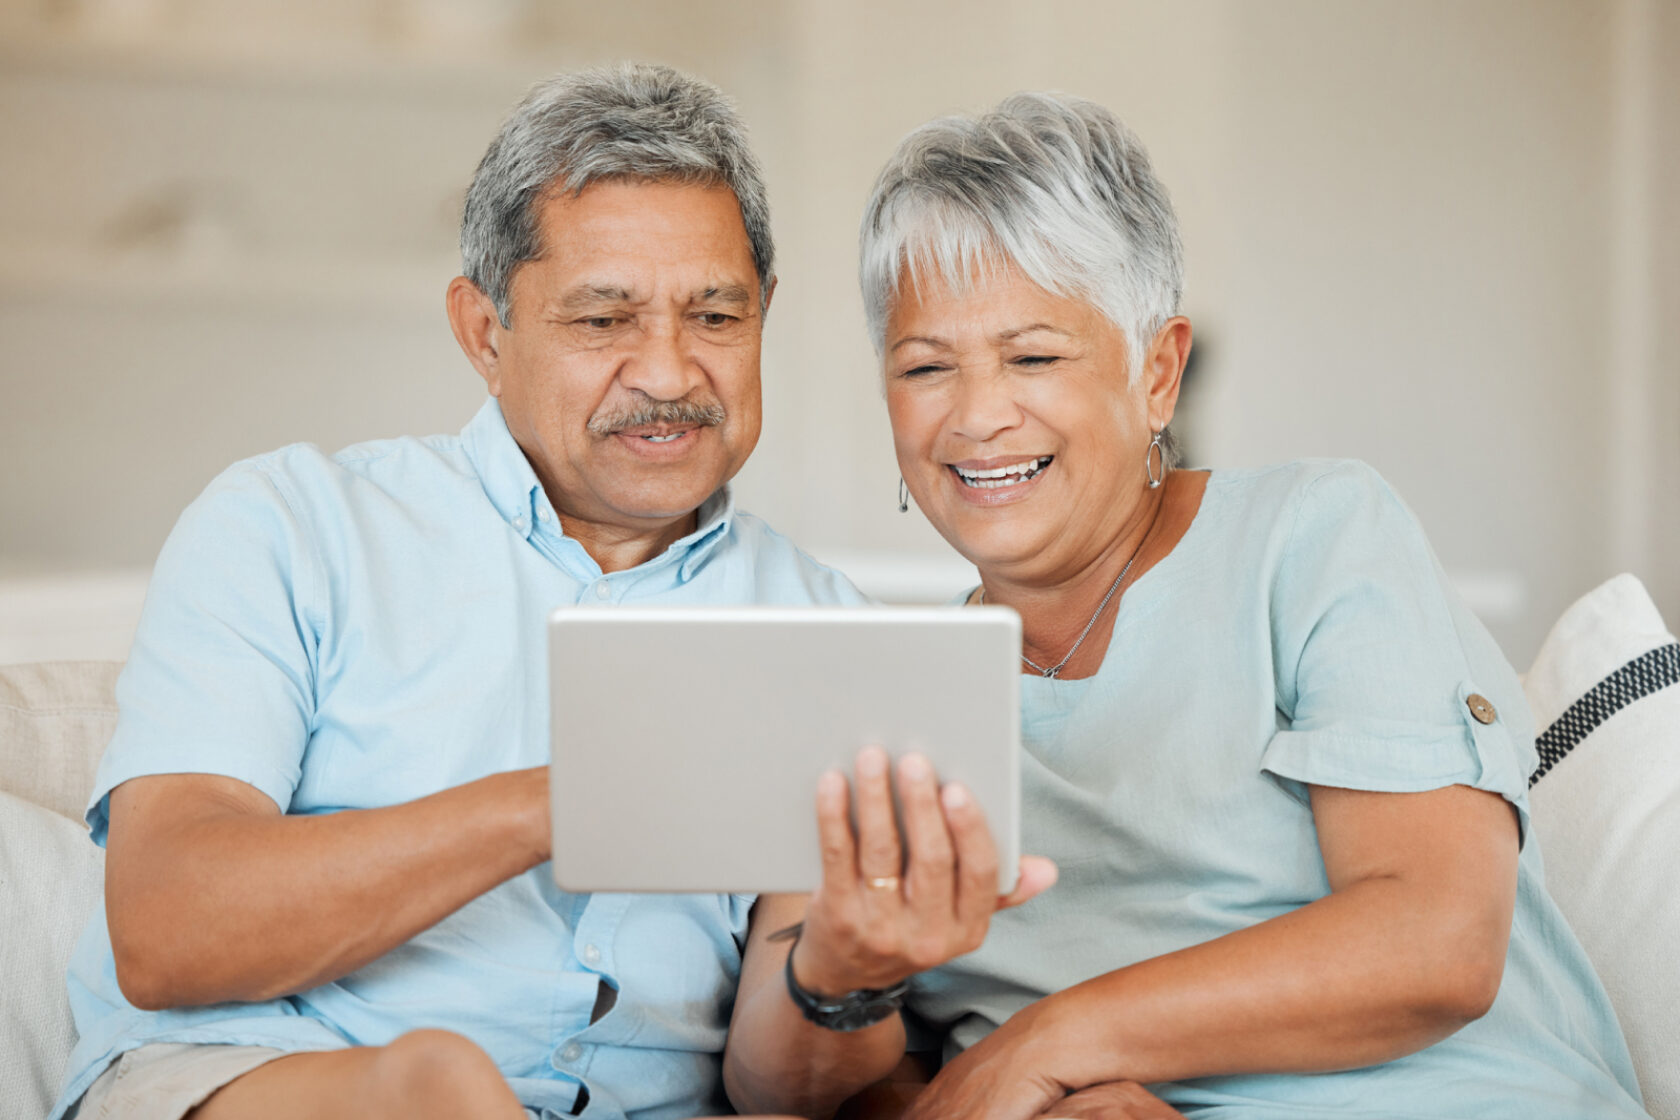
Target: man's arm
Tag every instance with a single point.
(213, 894)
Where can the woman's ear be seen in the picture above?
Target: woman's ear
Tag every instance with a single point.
(478, 328)
(1163, 370)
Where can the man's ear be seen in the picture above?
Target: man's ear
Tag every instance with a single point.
(477, 327)
(1163, 370)
(768, 296)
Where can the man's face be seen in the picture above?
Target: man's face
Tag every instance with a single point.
(629, 372)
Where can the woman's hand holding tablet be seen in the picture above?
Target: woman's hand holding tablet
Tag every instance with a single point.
(892, 904)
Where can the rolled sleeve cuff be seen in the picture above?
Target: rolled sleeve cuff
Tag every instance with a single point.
(274, 783)
(1472, 754)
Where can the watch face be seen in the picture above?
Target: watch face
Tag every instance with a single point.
(857, 1016)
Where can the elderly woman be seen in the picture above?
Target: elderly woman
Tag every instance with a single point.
(1282, 770)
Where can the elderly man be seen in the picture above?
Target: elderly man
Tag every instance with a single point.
(325, 805)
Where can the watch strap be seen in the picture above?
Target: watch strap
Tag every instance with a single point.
(852, 1011)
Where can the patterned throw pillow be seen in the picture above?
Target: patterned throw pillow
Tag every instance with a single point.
(1605, 692)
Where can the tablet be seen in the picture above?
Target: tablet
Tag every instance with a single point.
(687, 741)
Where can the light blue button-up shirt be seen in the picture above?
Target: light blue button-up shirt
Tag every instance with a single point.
(367, 628)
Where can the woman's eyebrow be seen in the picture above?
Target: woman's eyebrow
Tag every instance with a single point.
(1016, 332)
(926, 340)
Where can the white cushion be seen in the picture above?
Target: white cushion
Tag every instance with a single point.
(55, 719)
(1607, 811)
(50, 877)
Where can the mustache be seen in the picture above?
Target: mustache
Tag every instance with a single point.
(704, 411)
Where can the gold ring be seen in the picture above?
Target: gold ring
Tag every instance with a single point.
(883, 883)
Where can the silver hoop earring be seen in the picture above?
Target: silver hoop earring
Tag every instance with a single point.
(1156, 453)
(903, 496)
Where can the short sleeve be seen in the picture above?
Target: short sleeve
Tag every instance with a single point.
(1385, 681)
(220, 679)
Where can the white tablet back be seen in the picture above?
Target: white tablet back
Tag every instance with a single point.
(687, 742)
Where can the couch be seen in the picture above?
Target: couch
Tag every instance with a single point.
(1605, 691)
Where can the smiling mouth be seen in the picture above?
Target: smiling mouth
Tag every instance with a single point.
(1014, 474)
(656, 434)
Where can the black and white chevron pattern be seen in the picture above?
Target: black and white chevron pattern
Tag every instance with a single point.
(1638, 678)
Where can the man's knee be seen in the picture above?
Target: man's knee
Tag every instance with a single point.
(439, 1073)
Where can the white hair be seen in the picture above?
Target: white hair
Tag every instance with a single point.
(632, 123)
(1055, 186)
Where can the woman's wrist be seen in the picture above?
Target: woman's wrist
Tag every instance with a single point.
(819, 973)
(1045, 1041)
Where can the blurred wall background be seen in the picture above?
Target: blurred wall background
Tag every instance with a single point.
(1440, 236)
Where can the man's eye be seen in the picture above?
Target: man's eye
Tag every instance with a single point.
(716, 318)
(599, 322)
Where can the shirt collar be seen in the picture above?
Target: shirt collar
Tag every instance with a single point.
(717, 513)
(514, 489)
(503, 471)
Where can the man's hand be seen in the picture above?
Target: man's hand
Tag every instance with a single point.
(998, 1078)
(1115, 1100)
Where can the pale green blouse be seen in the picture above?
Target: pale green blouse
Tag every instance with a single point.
(1301, 632)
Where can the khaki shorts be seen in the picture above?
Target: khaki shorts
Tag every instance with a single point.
(167, 1080)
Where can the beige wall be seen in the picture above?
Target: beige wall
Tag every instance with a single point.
(1437, 236)
(1655, 399)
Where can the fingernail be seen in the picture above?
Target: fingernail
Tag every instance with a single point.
(831, 786)
(954, 795)
(871, 762)
(914, 767)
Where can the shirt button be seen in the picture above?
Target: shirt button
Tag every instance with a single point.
(1483, 711)
(591, 954)
(544, 516)
(571, 1053)
(602, 591)
(519, 524)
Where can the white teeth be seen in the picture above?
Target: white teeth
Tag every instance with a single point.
(1003, 476)
(663, 439)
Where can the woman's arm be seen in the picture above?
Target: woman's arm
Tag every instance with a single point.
(878, 918)
(891, 1097)
(776, 1061)
(1408, 946)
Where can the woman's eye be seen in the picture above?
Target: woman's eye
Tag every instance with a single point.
(916, 371)
(1036, 361)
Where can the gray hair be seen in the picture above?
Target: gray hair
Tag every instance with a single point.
(1054, 185)
(630, 122)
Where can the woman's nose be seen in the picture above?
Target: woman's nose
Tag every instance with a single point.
(984, 404)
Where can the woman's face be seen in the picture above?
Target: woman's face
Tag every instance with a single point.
(1014, 423)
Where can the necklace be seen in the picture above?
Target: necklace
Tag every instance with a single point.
(1079, 641)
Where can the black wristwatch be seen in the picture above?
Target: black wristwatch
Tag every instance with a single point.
(850, 1012)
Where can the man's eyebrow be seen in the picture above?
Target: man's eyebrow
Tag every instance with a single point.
(726, 293)
(591, 295)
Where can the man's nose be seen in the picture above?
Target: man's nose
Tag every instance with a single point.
(663, 364)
